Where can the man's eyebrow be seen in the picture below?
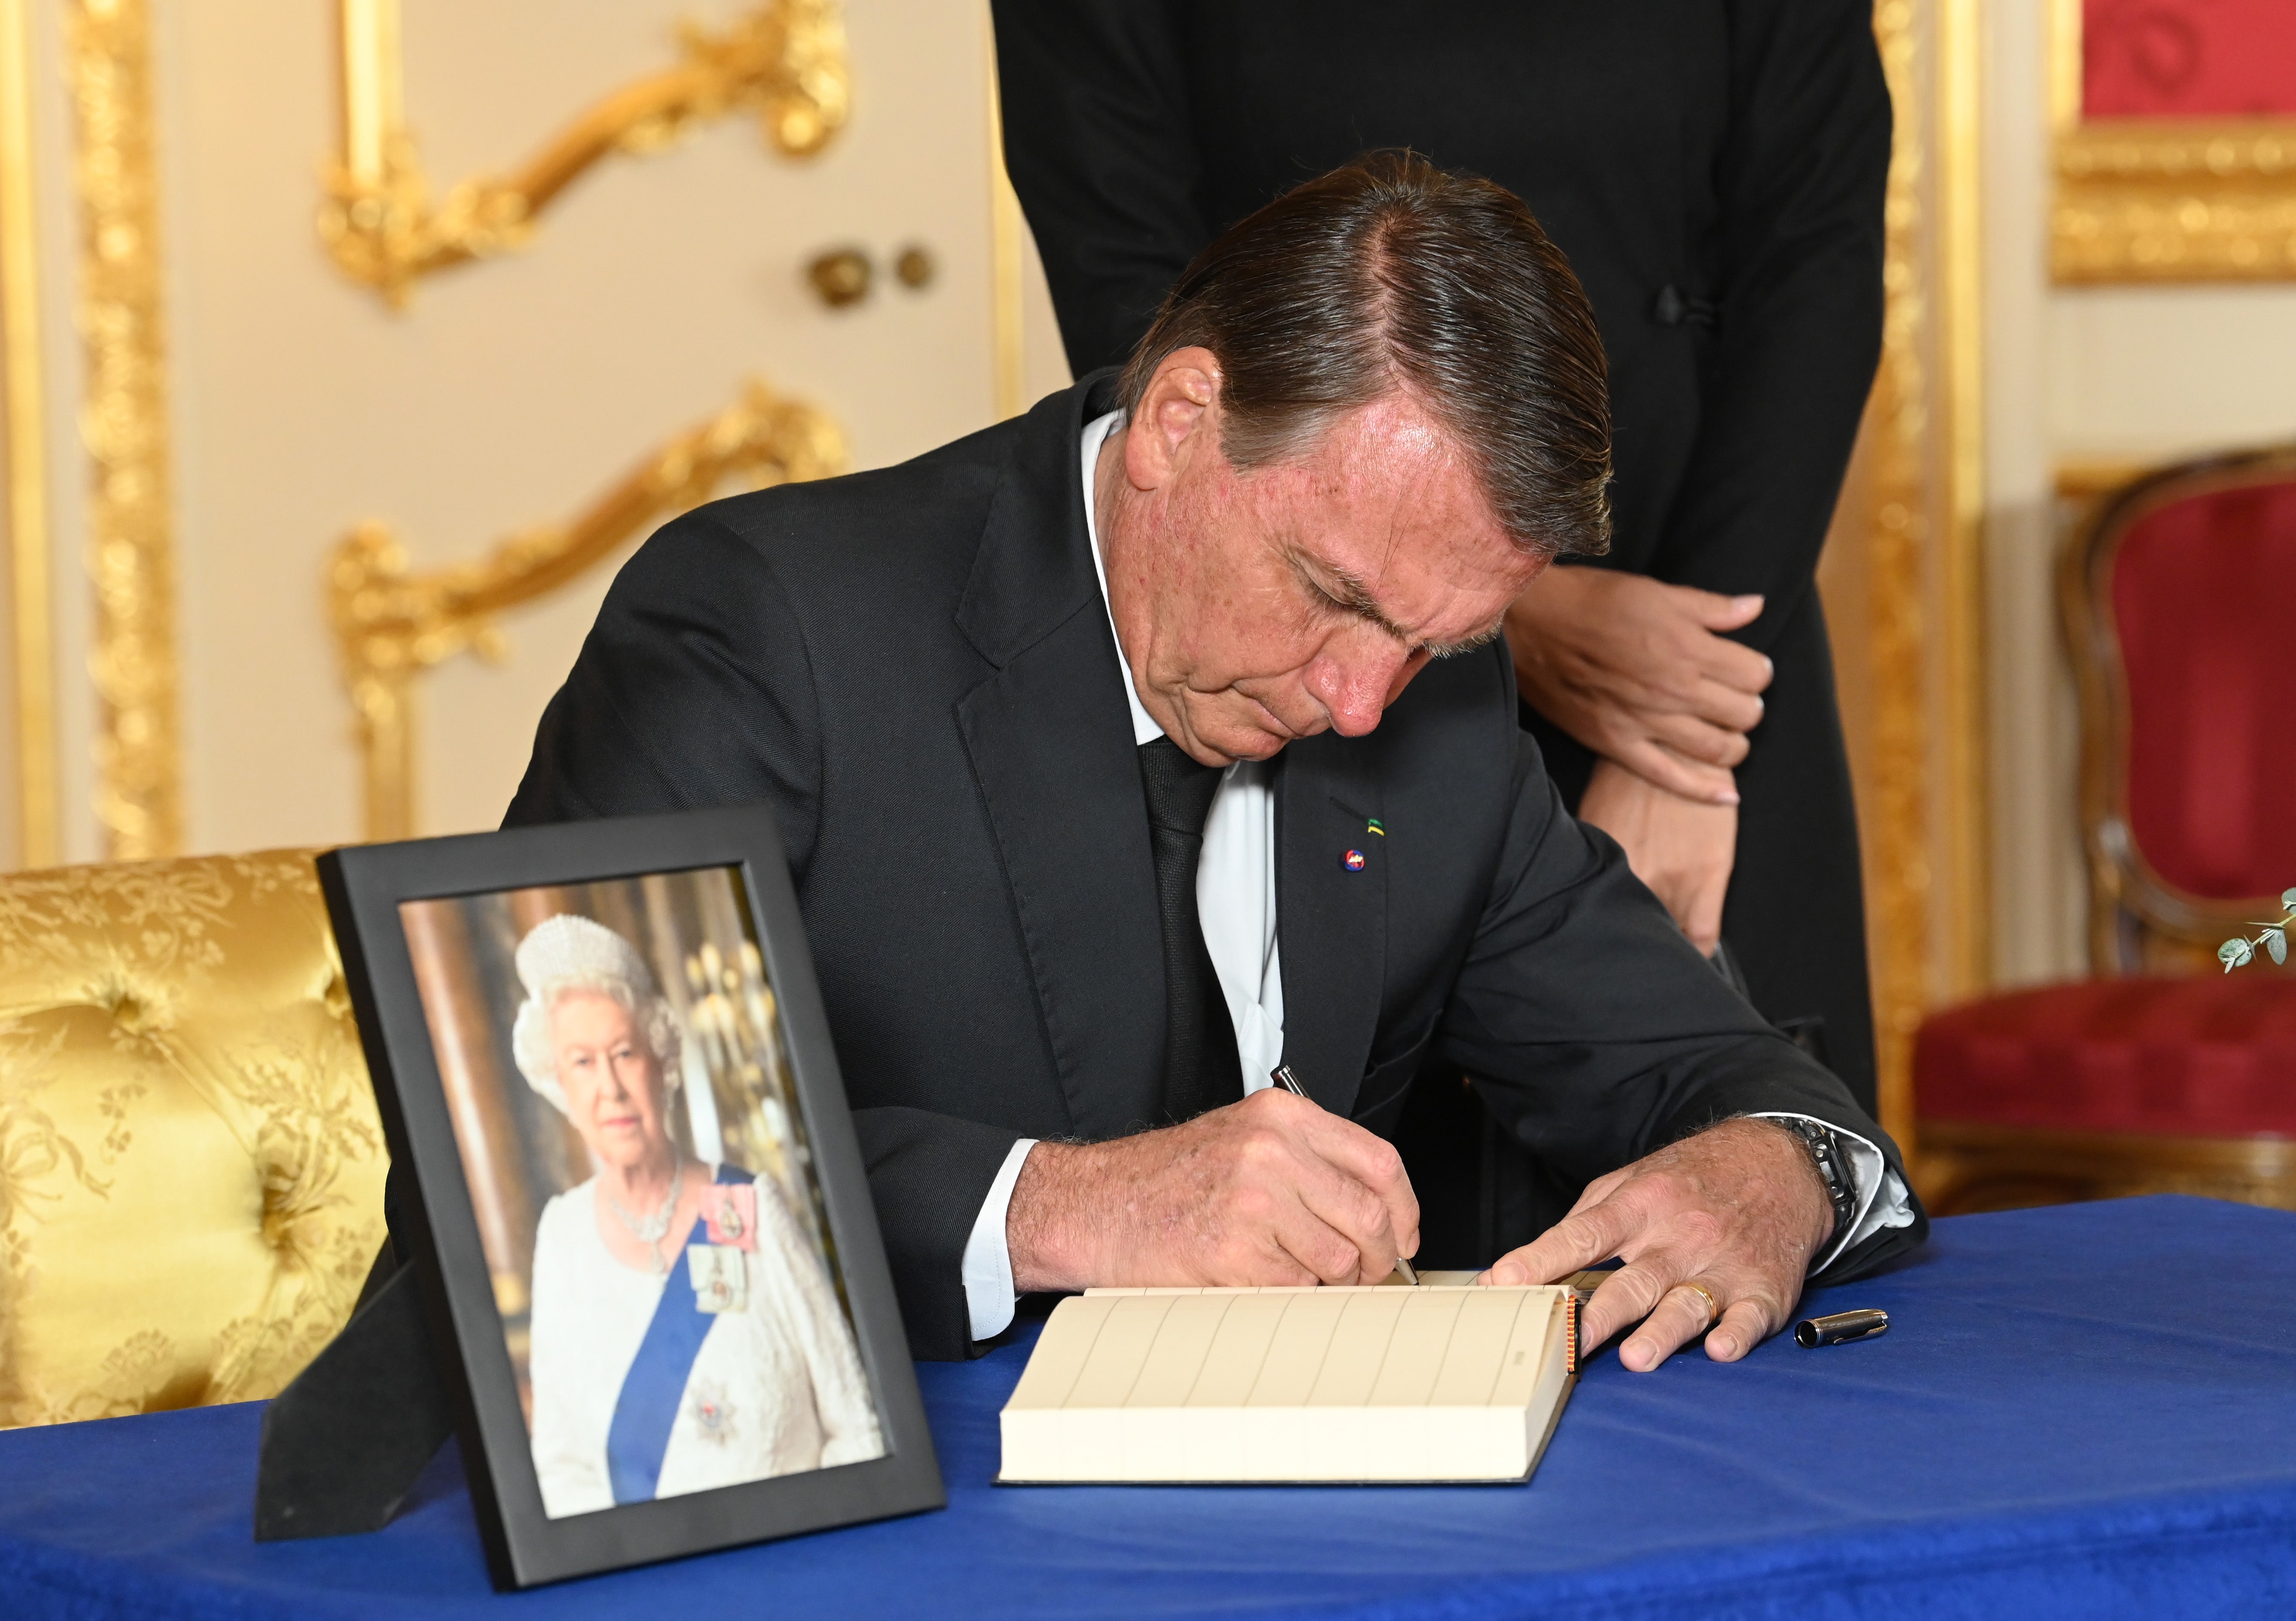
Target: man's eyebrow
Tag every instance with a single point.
(1348, 590)
(1482, 638)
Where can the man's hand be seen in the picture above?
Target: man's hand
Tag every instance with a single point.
(1738, 1208)
(1270, 1190)
(1635, 670)
(1683, 848)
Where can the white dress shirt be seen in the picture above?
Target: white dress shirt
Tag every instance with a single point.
(1235, 903)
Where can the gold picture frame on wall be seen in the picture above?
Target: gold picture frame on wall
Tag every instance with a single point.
(2175, 140)
(784, 60)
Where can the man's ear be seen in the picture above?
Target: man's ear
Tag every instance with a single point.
(1178, 410)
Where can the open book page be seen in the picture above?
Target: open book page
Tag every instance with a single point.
(1292, 1384)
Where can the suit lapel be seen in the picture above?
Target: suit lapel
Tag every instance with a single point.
(1050, 739)
(1331, 888)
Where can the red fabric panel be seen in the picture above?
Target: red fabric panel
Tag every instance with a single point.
(2223, 59)
(2204, 598)
(2200, 1057)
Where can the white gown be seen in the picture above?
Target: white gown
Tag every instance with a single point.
(774, 1390)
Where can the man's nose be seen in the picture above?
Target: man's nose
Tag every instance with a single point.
(1357, 683)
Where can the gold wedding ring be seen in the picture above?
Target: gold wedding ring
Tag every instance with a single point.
(1713, 1306)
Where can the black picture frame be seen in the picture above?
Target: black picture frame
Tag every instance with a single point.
(365, 887)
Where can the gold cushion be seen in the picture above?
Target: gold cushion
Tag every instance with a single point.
(190, 1166)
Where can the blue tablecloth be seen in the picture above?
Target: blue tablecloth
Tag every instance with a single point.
(2087, 1411)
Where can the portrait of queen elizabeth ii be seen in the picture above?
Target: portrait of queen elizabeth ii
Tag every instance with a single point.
(685, 1334)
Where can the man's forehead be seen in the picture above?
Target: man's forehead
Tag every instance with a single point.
(1385, 499)
(1387, 472)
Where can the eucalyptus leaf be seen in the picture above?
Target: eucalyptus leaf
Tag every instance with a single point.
(2236, 953)
(2276, 941)
(2288, 900)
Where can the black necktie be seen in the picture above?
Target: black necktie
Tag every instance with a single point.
(1200, 1068)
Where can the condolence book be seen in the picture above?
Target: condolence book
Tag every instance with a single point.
(1438, 1383)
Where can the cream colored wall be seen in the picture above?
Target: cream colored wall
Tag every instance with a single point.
(509, 393)
(2074, 372)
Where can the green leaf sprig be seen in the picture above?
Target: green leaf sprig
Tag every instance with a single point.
(2272, 941)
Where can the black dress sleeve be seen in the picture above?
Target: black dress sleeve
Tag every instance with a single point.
(1804, 168)
(1102, 151)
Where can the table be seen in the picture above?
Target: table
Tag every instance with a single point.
(2086, 1410)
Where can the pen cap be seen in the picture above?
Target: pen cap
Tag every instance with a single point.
(1841, 1328)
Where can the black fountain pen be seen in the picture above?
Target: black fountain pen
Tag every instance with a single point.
(1282, 1076)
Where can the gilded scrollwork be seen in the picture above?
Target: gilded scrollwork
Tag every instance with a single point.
(391, 624)
(2162, 199)
(124, 424)
(2139, 203)
(785, 62)
(1908, 612)
(1898, 529)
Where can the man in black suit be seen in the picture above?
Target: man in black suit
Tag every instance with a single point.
(1282, 542)
(1715, 171)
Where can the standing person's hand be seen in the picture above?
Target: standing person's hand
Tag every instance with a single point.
(1683, 848)
(1716, 1231)
(1639, 672)
(1268, 1191)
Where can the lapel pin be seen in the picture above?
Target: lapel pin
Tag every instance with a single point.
(1373, 827)
(1353, 861)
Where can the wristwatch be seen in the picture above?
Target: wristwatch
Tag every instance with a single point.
(1833, 1164)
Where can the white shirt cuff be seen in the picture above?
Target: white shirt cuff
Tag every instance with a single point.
(987, 1270)
(1883, 1200)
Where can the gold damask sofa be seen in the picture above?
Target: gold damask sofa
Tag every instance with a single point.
(191, 1167)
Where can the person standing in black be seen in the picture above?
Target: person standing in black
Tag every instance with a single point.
(1714, 170)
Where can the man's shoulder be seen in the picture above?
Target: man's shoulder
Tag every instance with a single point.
(903, 526)
(871, 547)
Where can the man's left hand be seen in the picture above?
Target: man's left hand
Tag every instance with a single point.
(1738, 1209)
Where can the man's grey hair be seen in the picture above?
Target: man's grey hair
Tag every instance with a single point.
(1392, 274)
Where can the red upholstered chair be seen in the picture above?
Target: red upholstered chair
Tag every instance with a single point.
(2163, 1074)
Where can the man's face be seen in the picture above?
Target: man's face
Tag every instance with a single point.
(1259, 606)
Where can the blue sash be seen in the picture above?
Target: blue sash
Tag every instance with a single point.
(646, 1409)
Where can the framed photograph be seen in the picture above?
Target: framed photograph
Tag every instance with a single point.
(645, 1237)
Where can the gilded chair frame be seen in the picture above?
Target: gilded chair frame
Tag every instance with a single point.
(2137, 918)
(1967, 1166)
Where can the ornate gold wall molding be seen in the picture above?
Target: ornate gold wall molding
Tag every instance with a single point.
(32, 649)
(1921, 799)
(1895, 817)
(124, 421)
(391, 625)
(785, 61)
(2165, 200)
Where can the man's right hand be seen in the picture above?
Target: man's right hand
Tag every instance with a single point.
(1269, 1191)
